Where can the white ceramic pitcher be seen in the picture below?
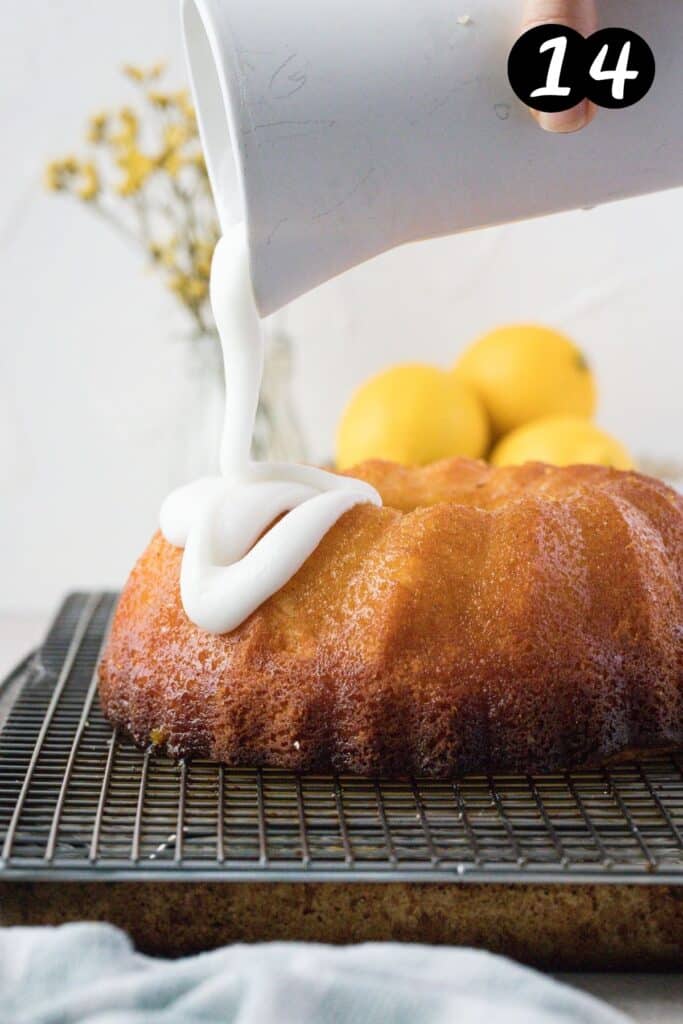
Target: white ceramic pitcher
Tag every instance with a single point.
(342, 128)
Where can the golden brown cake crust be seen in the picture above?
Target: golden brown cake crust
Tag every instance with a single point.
(526, 618)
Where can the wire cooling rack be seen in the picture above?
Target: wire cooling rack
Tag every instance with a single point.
(79, 801)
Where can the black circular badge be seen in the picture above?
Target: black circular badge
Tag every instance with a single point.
(552, 68)
(620, 67)
(547, 68)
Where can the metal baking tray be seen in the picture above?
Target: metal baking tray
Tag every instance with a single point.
(78, 800)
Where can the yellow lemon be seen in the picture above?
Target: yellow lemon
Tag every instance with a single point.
(562, 441)
(523, 372)
(413, 414)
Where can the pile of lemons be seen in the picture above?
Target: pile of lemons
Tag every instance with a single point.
(518, 394)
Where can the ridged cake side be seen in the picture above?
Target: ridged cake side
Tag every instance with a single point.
(525, 618)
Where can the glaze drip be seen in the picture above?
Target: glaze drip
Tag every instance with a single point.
(234, 558)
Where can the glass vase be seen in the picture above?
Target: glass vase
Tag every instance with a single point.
(277, 434)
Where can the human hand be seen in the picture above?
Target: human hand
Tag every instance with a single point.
(577, 14)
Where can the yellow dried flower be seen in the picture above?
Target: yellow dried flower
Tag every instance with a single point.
(128, 132)
(138, 74)
(165, 254)
(178, 284)
(176, 227)
(191, 290)
(159, 99)
(90, 182)
(59, 174)
(183, 102)
(196, 289)
(175, 134)
(197, 160)
(203, 252)
(171, 161)
(54, 176)
(134, 72)
(137, 167)
(97, 128)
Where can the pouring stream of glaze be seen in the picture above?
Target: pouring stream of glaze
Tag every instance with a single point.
(227, 571)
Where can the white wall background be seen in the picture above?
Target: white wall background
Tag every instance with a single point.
(96, 406)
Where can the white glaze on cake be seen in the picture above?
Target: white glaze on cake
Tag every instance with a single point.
(234, 557)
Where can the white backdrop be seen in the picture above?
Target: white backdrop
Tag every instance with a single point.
(95, 402)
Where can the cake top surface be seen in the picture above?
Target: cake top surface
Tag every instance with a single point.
(475, 484)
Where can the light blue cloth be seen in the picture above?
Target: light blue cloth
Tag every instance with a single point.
(90, 973)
